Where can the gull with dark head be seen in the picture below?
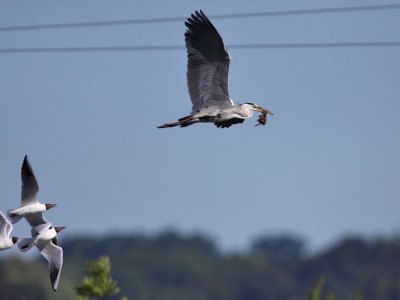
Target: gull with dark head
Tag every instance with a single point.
(42, 232)
(207, 79)
(30, 208)
(6, 241)
(44, 237)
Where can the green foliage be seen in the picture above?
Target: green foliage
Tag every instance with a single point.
(317, 290)
(97, 282)
(357, 296)
(331, 296)
(172, 266)
(29, 280)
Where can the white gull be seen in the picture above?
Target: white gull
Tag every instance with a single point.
(30, 208)
(44, 238)
(6, 242)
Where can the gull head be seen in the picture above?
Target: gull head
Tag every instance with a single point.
(59, 228)
(50, 205)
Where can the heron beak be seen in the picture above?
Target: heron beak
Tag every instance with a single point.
(267, 112)
(263, 110)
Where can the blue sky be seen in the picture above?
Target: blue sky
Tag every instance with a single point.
(326, 165)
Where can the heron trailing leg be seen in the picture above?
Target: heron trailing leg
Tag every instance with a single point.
(167, 125)
(182, 122)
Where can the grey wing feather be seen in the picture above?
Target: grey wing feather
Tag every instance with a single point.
(228, 123)
(3, 227)
(36, 230)
(3, 218)
(208, 64)
(36, 219)
(30, 187)
(6, 225)
(9, 228)
(54, 256)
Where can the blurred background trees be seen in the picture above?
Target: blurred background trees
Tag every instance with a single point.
(172, 266)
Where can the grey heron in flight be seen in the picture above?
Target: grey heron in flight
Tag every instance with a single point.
(207, 79)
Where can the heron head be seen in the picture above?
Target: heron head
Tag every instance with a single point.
(50, 205)
(257, 107)
(59, 228)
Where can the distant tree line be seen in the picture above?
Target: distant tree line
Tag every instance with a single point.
(172, 266)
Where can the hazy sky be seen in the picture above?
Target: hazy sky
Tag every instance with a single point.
(326, 165)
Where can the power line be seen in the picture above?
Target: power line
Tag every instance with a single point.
(168, 47)
(222, 16)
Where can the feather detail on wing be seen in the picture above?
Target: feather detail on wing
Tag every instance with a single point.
(208, 64)
(228, 123)
(30, 187)
(36, 219)
(54, 256)
(25, 244)
(5, 225)
(36, 230)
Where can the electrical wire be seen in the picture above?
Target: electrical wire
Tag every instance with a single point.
(169, 47)
(222, 16)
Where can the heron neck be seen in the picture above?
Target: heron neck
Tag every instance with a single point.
(246, 110)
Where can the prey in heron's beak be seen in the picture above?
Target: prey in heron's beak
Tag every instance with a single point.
(262, 119)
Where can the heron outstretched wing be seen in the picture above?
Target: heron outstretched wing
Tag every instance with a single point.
(208, 64)
(30, 187)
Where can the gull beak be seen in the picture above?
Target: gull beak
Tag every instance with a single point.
(59, 228)
(50, 205)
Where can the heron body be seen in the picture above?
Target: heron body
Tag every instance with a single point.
(207, 78)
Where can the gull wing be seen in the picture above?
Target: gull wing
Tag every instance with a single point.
(3, 218)
(9, 228)
(36, 219)
(5, 225)
(54, 255)
(36, 230)
(30, 187)
(208, 64)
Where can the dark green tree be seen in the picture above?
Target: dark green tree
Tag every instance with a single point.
(97, 283)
